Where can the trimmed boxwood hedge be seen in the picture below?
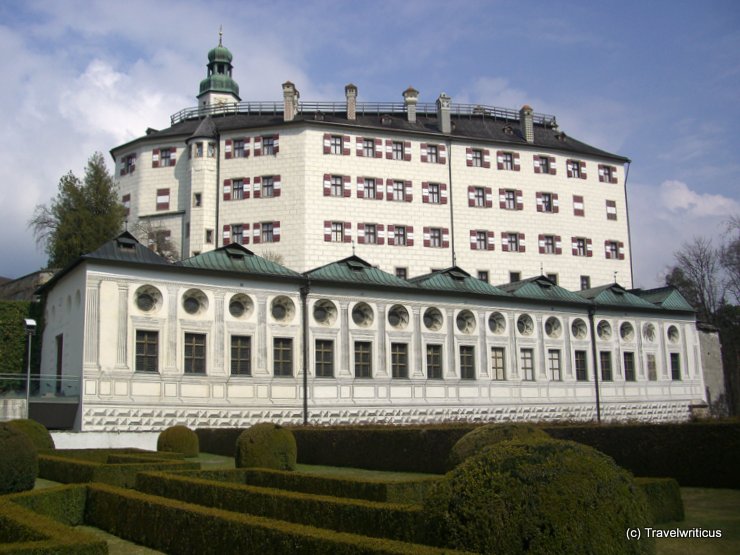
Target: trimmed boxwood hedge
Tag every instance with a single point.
(487, 435)
(664, 498)
(36, 432)
(18, 460)
(178, 439)
(150, 521)
(369, 518)
(266, 445)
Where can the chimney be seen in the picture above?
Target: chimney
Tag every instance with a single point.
(410, 98)
(350, 91)
(290, 101)
(526, 123)
(443, 113)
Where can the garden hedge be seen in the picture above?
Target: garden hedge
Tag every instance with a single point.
(35, 431)
(266, 445)
(150, 521)
(14, 341)
(178, 439)
(18, 460)
(368, 518)
(664, 498)
(487, 435)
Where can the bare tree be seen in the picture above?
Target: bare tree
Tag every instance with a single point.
(698, 275)
(157, 238)
(273, 256)
(730, 258)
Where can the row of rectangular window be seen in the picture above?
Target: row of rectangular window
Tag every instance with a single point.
(194, 359)
(265, 186)
(261, 232)
(264, 145)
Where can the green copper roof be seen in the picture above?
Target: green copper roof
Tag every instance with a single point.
(456, 280)
(355, 270)
(237, 259)
(219, 72)
(219, 82)
(541, 288)
(614, 295)
(220, 54)
(667, 297)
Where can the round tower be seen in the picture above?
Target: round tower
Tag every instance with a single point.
(218, 88)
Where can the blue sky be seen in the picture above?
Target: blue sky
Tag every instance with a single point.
(658, 82)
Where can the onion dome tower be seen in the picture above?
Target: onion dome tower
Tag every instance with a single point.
(218, 88)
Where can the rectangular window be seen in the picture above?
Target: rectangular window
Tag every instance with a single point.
(241, 355)
(126, 201)
(510, 199)
(544, 164)
(483, 275)
(549, 244)
(652, 368)
(268, 232)
(514, 277)
(370, 188)
(574, 168)
(434, 197)
(477, 158)
(197, 200)
(581, 366)
(467, 362)
(581, 246)
(434, 362)
(363, 359)
(675, 366)
(209, 236)
(479, 197)
(371, 234)
(399, 190)
(211, 150)
(238, 148)
(268, 146)
(498, 370)
(237, 189)
(481, 240)
(553, 278)
(368, 148)
(198, 150)
(337, 186)
(585, 282)
(513, 242)
(611, 210)
(337, 232)
(163, 199)
(402, 273)
(612, 250)
(528, 364)
(547, 202)
(268, 186)
(195, 353)
(401, 235)
(336, 144)
(165, 155)
(397, 150)
(629, 367)
(432, 154)
(282, 356)
(553, 362)
(507, 160)
(435, 237)
(324, 354)
(237, 233)
(147, 351)
(400, 360)
(605, 361)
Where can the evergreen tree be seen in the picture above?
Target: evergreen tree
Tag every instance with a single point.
(84, 215)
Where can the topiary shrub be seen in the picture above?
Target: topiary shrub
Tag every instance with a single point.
(664, 498)
(35, 431)
(179, 439)
(266, 445)
(474, 442)
(538, 497)
(18, 461)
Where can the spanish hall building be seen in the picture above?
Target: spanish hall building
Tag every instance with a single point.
(351, 263)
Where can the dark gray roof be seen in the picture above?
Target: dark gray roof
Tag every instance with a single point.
(465, 127)
(206, 129)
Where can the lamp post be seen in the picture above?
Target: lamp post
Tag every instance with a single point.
(30, 326)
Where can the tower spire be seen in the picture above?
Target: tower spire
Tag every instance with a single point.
(220, 34)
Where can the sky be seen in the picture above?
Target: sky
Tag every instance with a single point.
(657, 82)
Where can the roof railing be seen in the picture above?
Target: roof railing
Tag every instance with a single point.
(472, 111)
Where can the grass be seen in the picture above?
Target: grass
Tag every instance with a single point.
(708, 509)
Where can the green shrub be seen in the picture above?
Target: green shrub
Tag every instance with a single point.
(664, 498)
(538, 497)
(266, 445)
(18, 461)
(36, 432)
(179, 439)
(474, 442)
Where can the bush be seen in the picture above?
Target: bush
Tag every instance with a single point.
(538, 497)
(266, 446)
(179, 439)
(474, 442)
(18, 461)
(664, 498)
(36, 432)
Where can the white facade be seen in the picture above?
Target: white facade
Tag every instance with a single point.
(184, 180)
(537, 377)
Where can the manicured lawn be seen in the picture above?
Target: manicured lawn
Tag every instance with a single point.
(708, 509)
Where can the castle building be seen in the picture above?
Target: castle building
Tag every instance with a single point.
(410, 187)
(391, 222)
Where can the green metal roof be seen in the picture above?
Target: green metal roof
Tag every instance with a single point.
(220, 54)
(456, 280)
(541, 288)
(614, 295)
(667, 297)
(237, 259)
(355, 270)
